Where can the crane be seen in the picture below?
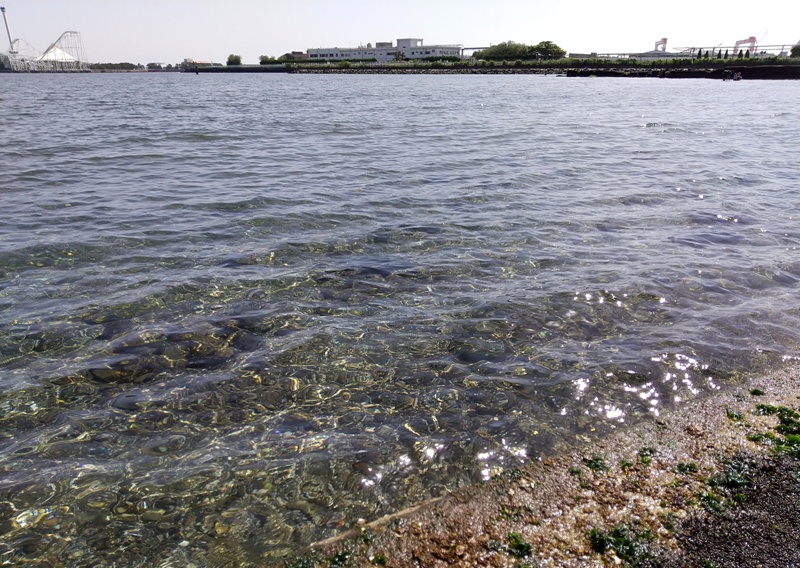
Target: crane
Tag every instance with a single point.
(751, 40)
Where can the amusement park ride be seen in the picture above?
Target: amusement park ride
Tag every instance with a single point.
(66, 54)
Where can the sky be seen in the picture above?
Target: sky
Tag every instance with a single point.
(169, 31)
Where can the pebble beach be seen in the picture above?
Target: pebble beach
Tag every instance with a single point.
(713, 483)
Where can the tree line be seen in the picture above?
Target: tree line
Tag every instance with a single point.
(125, 66)
(511, 51)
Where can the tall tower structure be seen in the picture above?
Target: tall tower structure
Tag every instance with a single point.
(11, 42)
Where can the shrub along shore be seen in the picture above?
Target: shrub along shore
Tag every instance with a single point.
(713, 483)
(768, 68)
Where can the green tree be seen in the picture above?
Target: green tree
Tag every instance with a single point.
(726, 54)
(234, 59)
(507, 50)
(513, 51)
(795, 51)
(266, 60)
(293, 56)
(547, 50)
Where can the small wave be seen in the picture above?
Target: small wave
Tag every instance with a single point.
(658, 125)
(195, 137)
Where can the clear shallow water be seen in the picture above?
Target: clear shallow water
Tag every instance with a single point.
(238, 313)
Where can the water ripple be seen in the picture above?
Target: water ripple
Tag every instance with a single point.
(237, 318)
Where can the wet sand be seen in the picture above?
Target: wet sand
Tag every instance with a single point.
(702, 485)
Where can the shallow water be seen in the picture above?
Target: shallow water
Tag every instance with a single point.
(238, 313)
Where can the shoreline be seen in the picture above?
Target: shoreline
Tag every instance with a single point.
(749, 72)
(701, 485)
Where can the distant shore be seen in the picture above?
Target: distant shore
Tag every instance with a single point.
(749, 71)
(770, 69)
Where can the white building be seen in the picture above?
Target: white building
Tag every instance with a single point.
(410, 48)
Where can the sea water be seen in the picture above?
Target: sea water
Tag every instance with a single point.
(240, 312)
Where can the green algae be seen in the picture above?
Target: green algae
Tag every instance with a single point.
(518, 546)
(788, 426)
(646, 455)
(760, 436)
(597, 464)
(628, 543)
(729, 485)
(733, 415)
(711, 502)
(514, 515)
(669, 520)
(765, 410)
(789, 421)
(734, 475)
(366, 536)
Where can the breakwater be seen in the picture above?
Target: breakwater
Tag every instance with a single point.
(749, 72)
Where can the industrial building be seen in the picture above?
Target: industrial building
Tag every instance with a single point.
(383, 52)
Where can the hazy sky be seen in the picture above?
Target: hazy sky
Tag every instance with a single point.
(168, 31)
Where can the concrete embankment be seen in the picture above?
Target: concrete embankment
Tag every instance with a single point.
(715, 482)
